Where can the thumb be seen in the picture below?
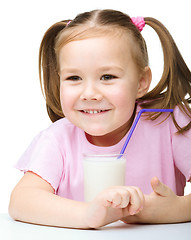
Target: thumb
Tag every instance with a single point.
(160, 188)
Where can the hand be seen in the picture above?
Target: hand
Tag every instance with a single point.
(161, 206)
(114, 204)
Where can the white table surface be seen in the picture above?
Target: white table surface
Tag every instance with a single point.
(12, 230)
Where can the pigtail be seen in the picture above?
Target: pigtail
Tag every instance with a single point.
(50, 82)
(174, 87)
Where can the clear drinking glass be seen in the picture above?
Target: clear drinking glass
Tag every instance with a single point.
(102, 172)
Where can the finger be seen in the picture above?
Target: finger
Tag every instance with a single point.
(125, 197)
(136, 201)
(134, 196)
(119, 198)
(160, 188)
(114, 199)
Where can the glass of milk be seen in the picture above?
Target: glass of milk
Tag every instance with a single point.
(102, 172)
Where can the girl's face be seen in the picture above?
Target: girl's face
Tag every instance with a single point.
(99, 83)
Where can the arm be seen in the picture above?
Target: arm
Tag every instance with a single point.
(163, 206)
(33, 200)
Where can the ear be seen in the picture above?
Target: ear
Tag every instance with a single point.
(144, 82)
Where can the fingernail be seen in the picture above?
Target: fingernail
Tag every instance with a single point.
(116, 205)
(132, 212)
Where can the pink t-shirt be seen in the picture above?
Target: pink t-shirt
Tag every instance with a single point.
(154, 150)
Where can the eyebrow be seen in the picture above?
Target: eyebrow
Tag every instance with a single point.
(68, 69)
(107, 68)
(104, 68)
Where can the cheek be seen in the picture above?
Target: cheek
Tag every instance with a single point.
(65, 100)
(125, 102)
(124, 96)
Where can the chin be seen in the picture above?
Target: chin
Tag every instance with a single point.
(94, 130)
(97, 132)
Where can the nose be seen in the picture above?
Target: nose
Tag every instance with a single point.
(91, 91)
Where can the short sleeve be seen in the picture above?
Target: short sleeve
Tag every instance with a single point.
(44, 158)
(181, 144)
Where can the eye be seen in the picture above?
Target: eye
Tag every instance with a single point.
(74, 78)
(108, 77)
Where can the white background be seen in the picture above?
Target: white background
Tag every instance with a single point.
(22, 25)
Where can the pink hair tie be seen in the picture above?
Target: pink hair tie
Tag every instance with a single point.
(68, 22)
(139, 22)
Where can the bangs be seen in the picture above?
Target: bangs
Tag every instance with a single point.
(85, 32)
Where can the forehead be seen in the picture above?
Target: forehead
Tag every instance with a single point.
(102, 41)
(98, 51)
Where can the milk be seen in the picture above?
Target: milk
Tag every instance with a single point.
(102, 172)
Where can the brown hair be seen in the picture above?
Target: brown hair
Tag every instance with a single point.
(174, 87)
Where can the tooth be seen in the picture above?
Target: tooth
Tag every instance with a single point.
(92, 111)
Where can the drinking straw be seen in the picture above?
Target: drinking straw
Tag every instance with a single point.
(135, 123)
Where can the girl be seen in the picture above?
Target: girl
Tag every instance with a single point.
(95, 79)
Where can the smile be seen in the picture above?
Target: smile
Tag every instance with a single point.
(93, 111)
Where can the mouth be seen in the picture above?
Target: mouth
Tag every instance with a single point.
(93, 111)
